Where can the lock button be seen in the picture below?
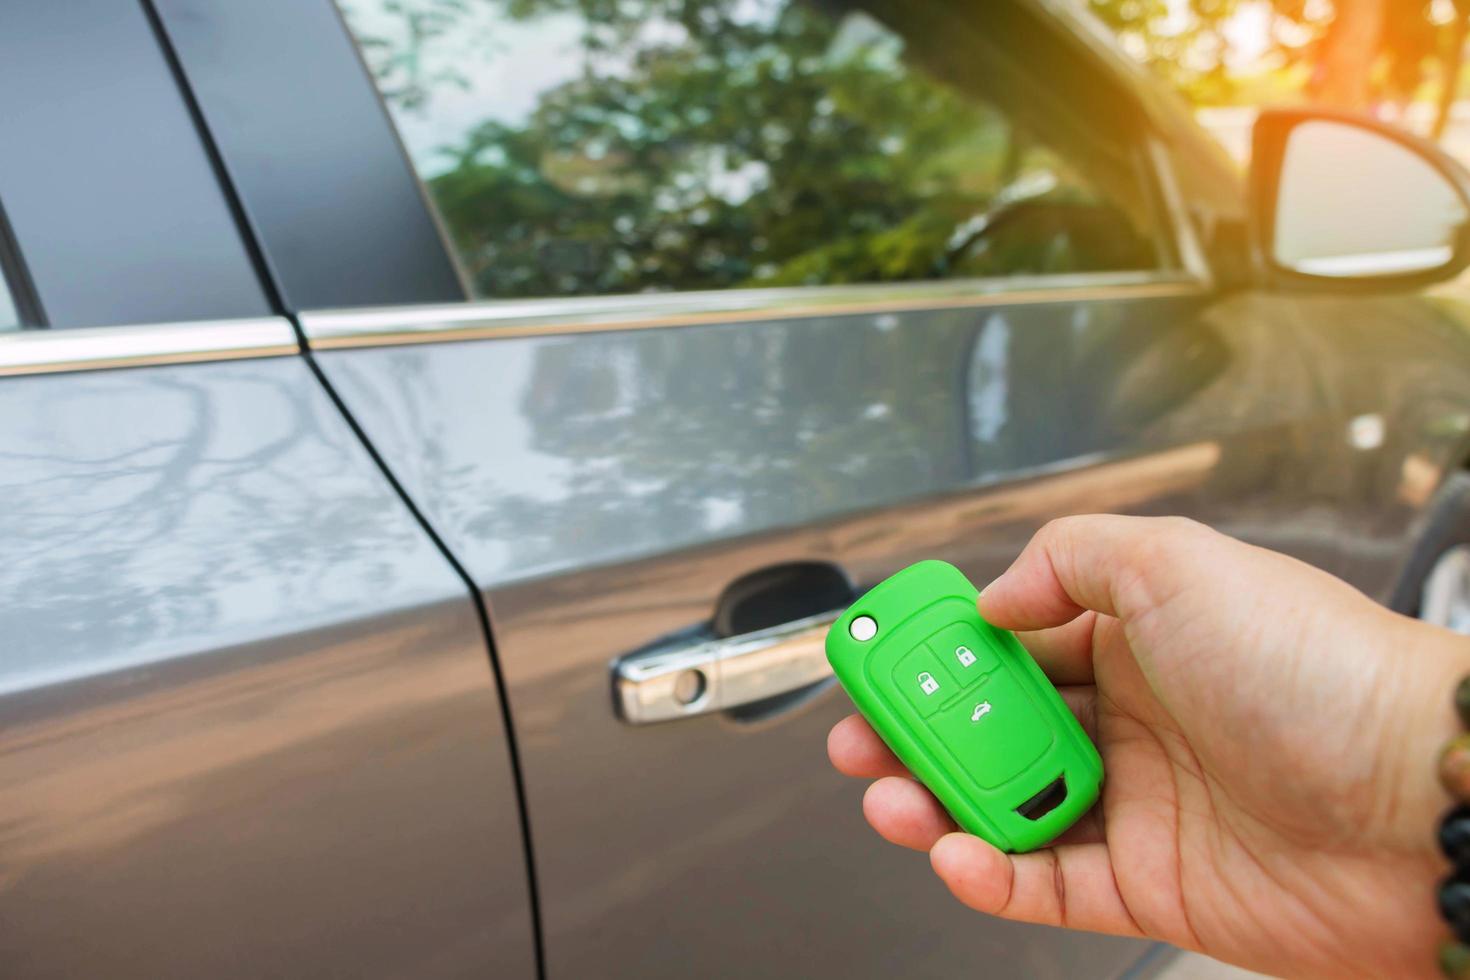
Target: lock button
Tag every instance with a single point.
(964, 652)
(921, 679)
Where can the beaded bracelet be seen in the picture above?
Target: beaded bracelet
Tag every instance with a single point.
(1454, 841)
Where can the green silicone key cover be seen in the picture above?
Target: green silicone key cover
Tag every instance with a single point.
(964, 706)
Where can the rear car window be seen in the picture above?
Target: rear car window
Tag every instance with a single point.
(109, 192)
(576, 148)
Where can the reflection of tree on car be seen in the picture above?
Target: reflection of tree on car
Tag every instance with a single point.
(715, 144)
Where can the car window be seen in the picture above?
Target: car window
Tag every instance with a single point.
(109, 192)
(575, 147)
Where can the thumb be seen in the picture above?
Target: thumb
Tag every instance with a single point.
(1091, 562)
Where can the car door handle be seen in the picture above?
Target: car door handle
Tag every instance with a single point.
(680, 679)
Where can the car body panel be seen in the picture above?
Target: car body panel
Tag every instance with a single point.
(249, 722)
(1393, 376)
(537, 454)
(603, 488)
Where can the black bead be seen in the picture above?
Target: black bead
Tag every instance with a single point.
(1454, 903)
(1454, 835)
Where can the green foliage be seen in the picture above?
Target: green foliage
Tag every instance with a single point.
(1186, 47)
(402, 74)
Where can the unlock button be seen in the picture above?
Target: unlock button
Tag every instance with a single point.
(966, 654)
(922, 681)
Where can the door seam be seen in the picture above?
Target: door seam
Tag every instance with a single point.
(482, 614)
(277, 301)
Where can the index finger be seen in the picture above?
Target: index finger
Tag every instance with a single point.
(1104, 563)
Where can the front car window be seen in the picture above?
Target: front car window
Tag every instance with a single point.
(579, 147)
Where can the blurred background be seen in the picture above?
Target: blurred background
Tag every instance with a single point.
(1401, 60)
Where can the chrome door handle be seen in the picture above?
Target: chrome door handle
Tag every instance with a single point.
(682, 678)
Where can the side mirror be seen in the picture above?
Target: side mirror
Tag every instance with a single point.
(1341, 202)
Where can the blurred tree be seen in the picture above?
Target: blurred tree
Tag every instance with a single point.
(1343, 75)
(1350, 54)
(1189, 48)
(405, 76)
(1451, 60)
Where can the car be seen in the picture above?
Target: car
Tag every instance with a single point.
(434, 438)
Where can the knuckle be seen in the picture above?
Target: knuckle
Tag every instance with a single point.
(1169, 540)
(1059, 887)
(1186, 527)
(1059, 529)
(1060, 537)
(1164, 561)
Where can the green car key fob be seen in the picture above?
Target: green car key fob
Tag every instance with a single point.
(964, 706)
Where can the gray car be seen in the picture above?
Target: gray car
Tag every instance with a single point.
(434, 436)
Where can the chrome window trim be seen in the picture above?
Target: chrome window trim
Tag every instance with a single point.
(397, 326)
(137, 345)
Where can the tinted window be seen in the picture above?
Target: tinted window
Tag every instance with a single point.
(108, 190)
(583, 147)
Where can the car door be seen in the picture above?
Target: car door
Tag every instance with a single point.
(769, 300)
(248, 725)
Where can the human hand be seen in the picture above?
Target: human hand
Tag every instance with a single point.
(1269, 739)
